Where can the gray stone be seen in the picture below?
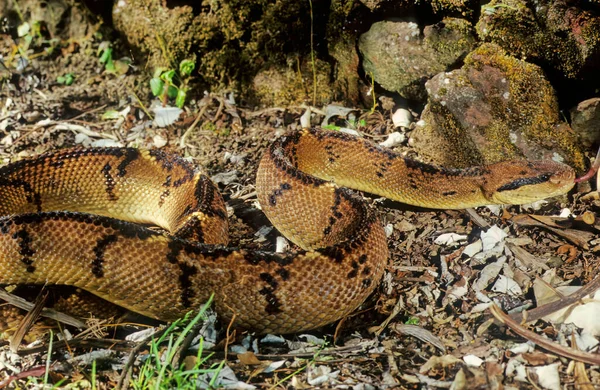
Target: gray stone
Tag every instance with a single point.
(400, 58)
(494, 108)
(585, 121)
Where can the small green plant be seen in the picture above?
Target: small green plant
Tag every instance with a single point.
(490, 9)
(170, 84)
(351, 124)
(159, 370)
(105, 52)
(67, 79)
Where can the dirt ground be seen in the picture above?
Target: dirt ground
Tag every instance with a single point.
(424, 327)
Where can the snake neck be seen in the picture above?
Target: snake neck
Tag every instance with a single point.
(359, 164)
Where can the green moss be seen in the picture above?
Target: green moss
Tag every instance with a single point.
(293, 85)
(463, 7)
(532, 106)
(233, 39)
(448, 132)
(453, 41)
(513, 26)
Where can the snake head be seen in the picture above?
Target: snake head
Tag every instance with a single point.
(520, 182)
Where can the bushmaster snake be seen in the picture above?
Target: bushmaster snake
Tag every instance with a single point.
(77, 217)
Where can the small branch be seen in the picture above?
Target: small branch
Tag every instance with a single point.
(548, 345)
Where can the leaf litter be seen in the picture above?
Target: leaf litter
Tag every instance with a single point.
(429, 323)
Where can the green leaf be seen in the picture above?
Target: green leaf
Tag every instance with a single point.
(186, 67)
(172, 91)
(158, 72)
(23, 29)
(67, 79)
(168, 76)
(106, 56)
(412, 321)
(181, 96)
(331, 127)
(157, 86)
(111, 114)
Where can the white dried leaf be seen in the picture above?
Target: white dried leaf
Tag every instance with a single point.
(548, 376)
(274, 366)
(582, 315)
(565, 213)
(450, 239)
(225, 177)
(82, 139)
(402, 118)
(333, 110)
(225, 378)
(159, 141)
(305, 119)
(281, 244)
(349, 131)
(527, 347)
(320, 375)
(106, 143)
(492, 237)
(489, 273)
(473, 248)
(394, 139)
(7, 141)
(165, 116)
(272, 339)
(473, 361)
(141, 335)
(506, 285)
(388, 229)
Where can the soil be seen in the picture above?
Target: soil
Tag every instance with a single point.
(227, 140)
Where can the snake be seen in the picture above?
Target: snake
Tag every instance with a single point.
(148, 231)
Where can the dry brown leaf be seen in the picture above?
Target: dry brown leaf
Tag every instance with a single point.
(249, 359)
(538, 358)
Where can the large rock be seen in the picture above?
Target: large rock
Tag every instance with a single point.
(585, 120)
(400, 58)
(560, 35)
(494, 108)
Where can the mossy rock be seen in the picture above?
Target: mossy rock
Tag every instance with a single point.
(494, 108)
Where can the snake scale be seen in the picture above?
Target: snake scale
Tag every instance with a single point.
(80, 217)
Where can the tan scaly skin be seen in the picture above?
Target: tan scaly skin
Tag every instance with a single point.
(73, 217)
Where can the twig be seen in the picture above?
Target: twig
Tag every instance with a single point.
(543, 342)
(552, 307)
(49, 313)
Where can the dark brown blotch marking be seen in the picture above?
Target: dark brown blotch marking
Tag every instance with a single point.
(449, 193)
(99, 250)
(283, 273)
(24, 241)
(206, 195)
(131, 155)
(165, 194)
(352, 274)
(185, 281)
(32, 196)
(109, 182)
(273, 305)
(279, 192)
(334, 211)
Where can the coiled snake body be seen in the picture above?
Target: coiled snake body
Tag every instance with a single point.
(77, 217)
